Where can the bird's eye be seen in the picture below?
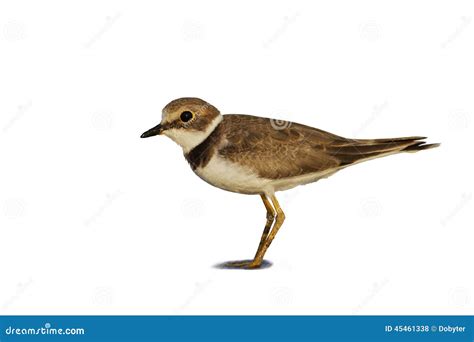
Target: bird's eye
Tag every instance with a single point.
(186, 116)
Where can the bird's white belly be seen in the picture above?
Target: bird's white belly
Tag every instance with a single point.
(233, 177)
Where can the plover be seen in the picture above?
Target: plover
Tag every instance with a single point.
(260, 156)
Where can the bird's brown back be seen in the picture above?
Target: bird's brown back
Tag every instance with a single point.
(276, 152)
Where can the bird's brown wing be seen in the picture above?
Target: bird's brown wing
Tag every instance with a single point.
(275, 149)
(278, 149)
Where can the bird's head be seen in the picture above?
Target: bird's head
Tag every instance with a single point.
(188, 121)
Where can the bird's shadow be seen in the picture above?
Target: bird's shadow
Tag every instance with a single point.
(240, 265)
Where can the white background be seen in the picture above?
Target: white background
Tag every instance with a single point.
(95, 220)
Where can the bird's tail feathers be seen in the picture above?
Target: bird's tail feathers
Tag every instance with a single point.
(357, 150)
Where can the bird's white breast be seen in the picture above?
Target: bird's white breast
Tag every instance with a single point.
(233, 177)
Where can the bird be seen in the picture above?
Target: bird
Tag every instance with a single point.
(261, 156)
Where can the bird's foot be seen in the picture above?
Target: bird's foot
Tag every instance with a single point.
(244, 264)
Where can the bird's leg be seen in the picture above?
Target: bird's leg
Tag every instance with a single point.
(268, 225)
(266, 230)
(264, 244)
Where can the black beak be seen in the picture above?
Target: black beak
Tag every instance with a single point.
(152, 132)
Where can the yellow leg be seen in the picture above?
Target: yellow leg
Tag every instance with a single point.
(273, 211)
(262, 248)
(268, 225)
